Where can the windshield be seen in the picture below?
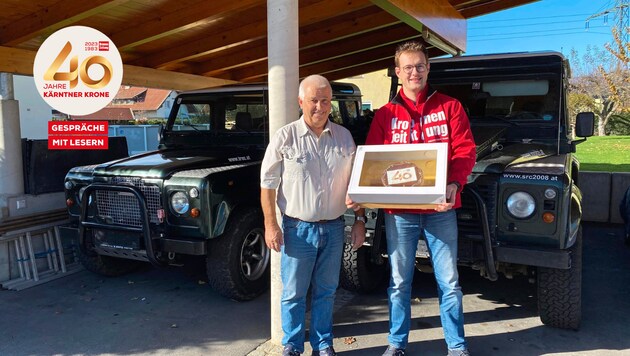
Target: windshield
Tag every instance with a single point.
(528, 100)
(233, 112)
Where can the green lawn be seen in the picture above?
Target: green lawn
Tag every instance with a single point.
(605, 154)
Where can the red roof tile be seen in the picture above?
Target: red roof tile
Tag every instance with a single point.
(107, 113)
(153, 98)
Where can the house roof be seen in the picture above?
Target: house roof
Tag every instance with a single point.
(191, 44)
(107, 114)
(153, 98)
(128, 92)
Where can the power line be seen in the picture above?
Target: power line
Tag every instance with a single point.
(547, 35)
(527, 24)
(532, 18)
(525, 32)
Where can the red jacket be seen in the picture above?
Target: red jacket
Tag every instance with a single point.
(443, 120)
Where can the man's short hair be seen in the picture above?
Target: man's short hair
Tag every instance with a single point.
(319, 81)
(411, 46)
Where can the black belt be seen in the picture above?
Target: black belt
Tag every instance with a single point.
(319, 222)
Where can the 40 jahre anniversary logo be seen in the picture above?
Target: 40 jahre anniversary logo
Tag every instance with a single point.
(78, 71)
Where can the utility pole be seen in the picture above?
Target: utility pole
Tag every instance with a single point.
(621, 16)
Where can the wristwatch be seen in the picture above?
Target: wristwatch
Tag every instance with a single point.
(459, 186)
(360, 218)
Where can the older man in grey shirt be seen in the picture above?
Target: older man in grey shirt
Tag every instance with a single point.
(306, 171)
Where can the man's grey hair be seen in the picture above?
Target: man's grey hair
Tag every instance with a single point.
(316, 80)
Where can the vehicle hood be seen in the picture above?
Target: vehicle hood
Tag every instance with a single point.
(522, 157)
(164, 163)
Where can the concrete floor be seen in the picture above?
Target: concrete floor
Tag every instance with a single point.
(170, 312)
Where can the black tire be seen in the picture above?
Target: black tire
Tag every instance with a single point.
(238, 261)
(358, 273)
(106, 265)
(560, 292)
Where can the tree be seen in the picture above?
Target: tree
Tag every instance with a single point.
(602, 83)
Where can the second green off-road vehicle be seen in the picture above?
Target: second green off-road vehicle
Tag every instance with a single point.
(521, 208)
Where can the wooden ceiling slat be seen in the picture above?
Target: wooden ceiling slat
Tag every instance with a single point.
(50, 19)
(247, 33)
(316, 34)
(359, 43)
(192, 16)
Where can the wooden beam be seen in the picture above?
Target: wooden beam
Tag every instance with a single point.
(16, 61)
(20, 61)
(437, 15)
(155, 78)
(52, 18)
(478, 9)
(163, 26)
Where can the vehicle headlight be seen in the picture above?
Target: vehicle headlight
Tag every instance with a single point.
(521, 205)
(179, 202)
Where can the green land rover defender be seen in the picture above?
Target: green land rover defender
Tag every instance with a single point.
(521, 208)
(197, 195)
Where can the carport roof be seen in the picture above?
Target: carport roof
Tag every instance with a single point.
(188, 44)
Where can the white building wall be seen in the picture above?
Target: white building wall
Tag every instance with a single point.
(34, 112)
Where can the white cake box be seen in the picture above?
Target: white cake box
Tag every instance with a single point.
(399, 176)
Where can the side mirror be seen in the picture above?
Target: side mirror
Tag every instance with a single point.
(584, 124)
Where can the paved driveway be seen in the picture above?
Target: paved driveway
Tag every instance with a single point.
(168, 312)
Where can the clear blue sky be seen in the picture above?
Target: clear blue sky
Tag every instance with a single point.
(558, 25)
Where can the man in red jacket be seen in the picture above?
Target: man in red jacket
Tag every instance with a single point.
(419, 114)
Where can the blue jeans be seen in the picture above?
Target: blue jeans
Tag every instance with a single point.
(403, 232)
(311, 255)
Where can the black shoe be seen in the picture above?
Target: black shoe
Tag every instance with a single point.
(393, 351)
(329, 351)
(290, 351)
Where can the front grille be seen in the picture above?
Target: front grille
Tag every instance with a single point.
(469, 217)
(123, 208)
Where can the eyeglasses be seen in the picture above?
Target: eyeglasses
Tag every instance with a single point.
(421, 68)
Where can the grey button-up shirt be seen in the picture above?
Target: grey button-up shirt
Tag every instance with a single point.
(310, 174)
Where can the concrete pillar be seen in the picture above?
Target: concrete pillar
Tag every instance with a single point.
(11, 175)
(282, 45)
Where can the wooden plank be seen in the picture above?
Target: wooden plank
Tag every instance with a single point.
(160, 79)
(478, 9)
(363, 21)
(163, 26)
(20, 61)
(16, 61)
(312, 13)
(437, 15)
(50, 19)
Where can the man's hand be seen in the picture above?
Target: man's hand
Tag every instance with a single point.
(357, 234)
(451, 194)
(351, 205)
(273, 237)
